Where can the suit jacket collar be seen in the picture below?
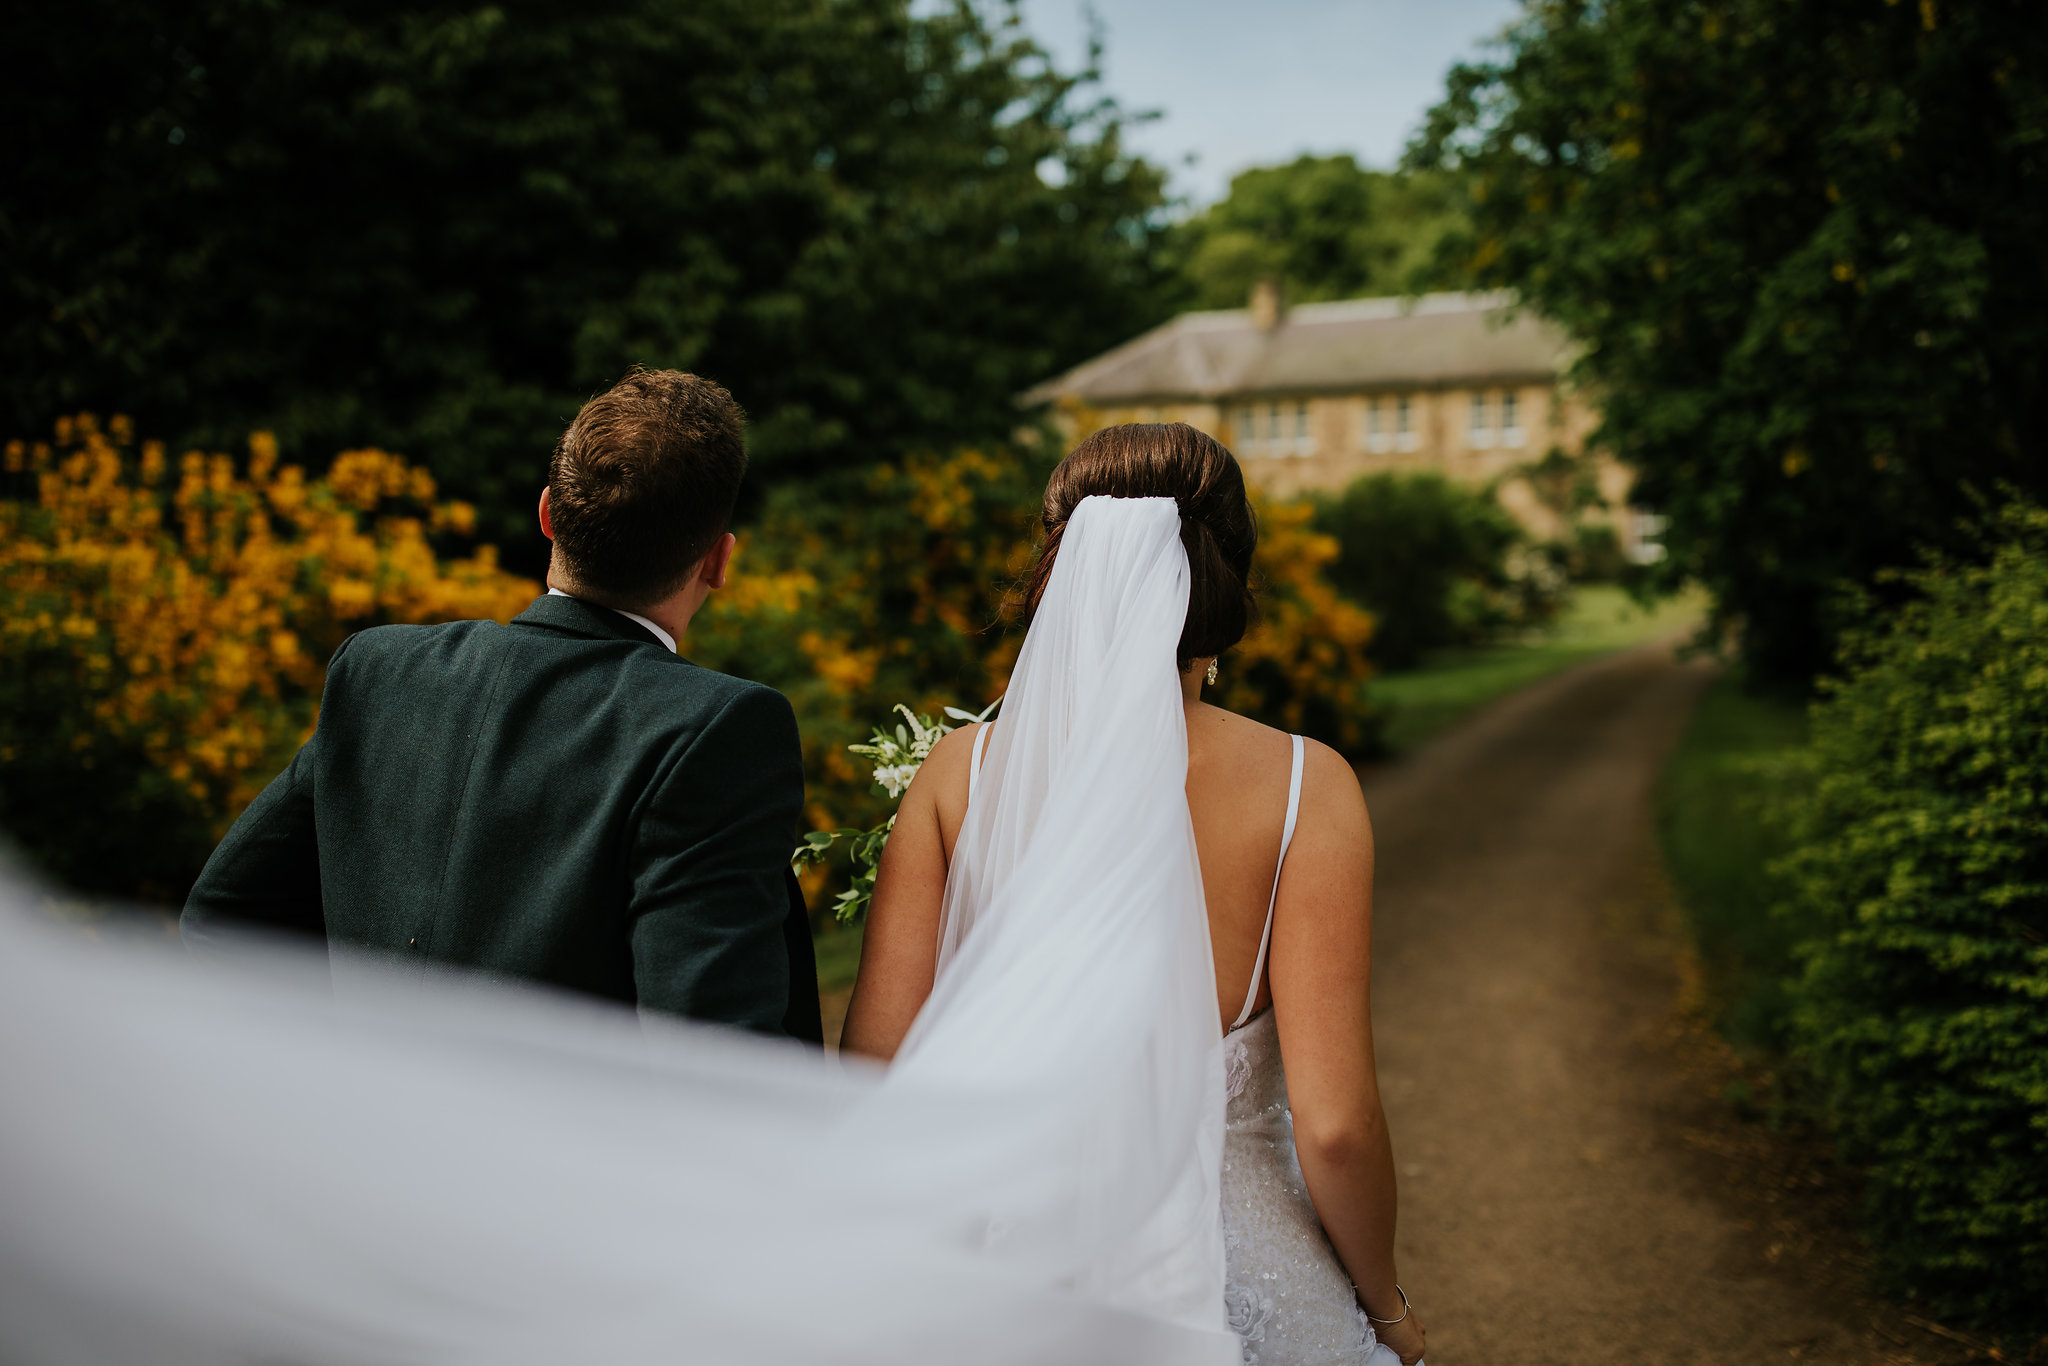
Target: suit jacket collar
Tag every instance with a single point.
(575, 617)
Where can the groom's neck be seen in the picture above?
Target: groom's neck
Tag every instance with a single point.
(672, 614)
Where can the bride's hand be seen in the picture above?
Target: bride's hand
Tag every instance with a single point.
(1403, 1338)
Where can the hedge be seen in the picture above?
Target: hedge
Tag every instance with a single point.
(1922, 864)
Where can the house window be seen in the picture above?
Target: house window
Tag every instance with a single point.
(1406, 438)
(1479, 432)
(1269, 430)
(1248, 433)
(1645, 537)
(1511, 433)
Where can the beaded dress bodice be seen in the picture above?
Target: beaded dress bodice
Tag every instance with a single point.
(1285, 1293)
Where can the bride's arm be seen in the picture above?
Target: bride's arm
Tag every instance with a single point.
(1322, 981)
(899, 953)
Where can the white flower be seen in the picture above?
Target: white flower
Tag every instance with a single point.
(896, 777)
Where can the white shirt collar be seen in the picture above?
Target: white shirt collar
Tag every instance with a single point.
(659, 634)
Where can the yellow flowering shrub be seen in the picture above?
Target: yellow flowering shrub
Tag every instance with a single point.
(1303, 667)
(900, 585)
(890, 586)
(165, 626)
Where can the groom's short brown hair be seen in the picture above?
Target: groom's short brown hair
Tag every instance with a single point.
(642, 484)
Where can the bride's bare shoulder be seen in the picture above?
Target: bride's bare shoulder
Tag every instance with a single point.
(952, 755)
(942, 778)
(1240, 744)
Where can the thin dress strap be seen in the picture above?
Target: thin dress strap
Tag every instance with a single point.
(974, 763)
(1251, 995)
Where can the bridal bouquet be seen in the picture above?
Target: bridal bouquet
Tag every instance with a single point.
(896, 755)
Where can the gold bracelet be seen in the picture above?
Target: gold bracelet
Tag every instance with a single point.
(1389, 1323)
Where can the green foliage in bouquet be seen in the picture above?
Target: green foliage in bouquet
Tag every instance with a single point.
(896, 755)
(1924, 867)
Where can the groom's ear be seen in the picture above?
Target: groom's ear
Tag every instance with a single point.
(717, 561)
(547, 523)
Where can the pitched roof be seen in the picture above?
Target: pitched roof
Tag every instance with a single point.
(1353, 344)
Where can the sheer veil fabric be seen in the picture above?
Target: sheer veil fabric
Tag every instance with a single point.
(218, 1161)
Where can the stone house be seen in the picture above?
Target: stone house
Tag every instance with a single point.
(1313, 397)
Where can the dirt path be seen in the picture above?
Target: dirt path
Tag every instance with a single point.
(1571, 1193)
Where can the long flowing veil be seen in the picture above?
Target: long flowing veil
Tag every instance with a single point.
(229, 1160)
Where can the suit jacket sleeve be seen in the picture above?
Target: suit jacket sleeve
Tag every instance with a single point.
(805, 1018)
(710, 870)
(267, 871)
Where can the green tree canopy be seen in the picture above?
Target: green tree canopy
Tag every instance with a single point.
(437, 227)
(1802, 243)
(1325, 228)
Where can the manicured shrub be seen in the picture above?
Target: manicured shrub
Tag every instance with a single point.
(1923, 863)
(165, 628)
(1435, 562)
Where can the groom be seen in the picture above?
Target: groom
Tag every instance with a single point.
(565, 798)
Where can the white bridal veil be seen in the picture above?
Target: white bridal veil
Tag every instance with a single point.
(228, 1161)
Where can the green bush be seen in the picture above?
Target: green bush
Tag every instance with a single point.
(1923, 864)
(1435, 562)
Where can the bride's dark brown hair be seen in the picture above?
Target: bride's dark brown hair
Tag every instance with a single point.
(1167, 460)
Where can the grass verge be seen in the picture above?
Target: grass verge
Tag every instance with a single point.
(1714, 822)
(838, 957)
(1601, 618)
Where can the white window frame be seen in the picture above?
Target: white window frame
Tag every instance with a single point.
(1479, 430)
(1373, 433)
(1247, 423)
(1646, 532)
(1406, 438)
(1274, 430)
(1512, 432)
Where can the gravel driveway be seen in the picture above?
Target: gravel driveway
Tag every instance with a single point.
(1572, 1190)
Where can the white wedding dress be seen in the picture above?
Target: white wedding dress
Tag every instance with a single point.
(266, 1158)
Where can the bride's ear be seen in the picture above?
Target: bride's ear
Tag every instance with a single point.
(718, 561)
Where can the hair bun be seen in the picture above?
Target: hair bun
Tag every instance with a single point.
(1217, 528)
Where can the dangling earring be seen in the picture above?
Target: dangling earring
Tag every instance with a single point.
(1212, 673)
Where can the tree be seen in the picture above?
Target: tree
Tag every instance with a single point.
(1800, 241)
(438, 227)
(1325, 228)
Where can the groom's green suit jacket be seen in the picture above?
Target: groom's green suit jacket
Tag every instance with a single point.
(561, 799)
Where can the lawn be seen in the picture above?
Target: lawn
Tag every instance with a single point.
(1715, 824)
(1599, 620)
(838, 957)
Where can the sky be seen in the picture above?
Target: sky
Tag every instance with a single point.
(1251, 82)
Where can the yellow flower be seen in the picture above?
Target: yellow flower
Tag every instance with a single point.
(192, 622)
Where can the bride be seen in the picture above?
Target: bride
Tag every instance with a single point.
(245, 1159)
(1285, 850)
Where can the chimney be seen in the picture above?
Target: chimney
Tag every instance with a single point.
(1267, 307)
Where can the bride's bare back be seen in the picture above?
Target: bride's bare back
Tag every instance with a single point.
(1238, 772)
(1318, 974)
